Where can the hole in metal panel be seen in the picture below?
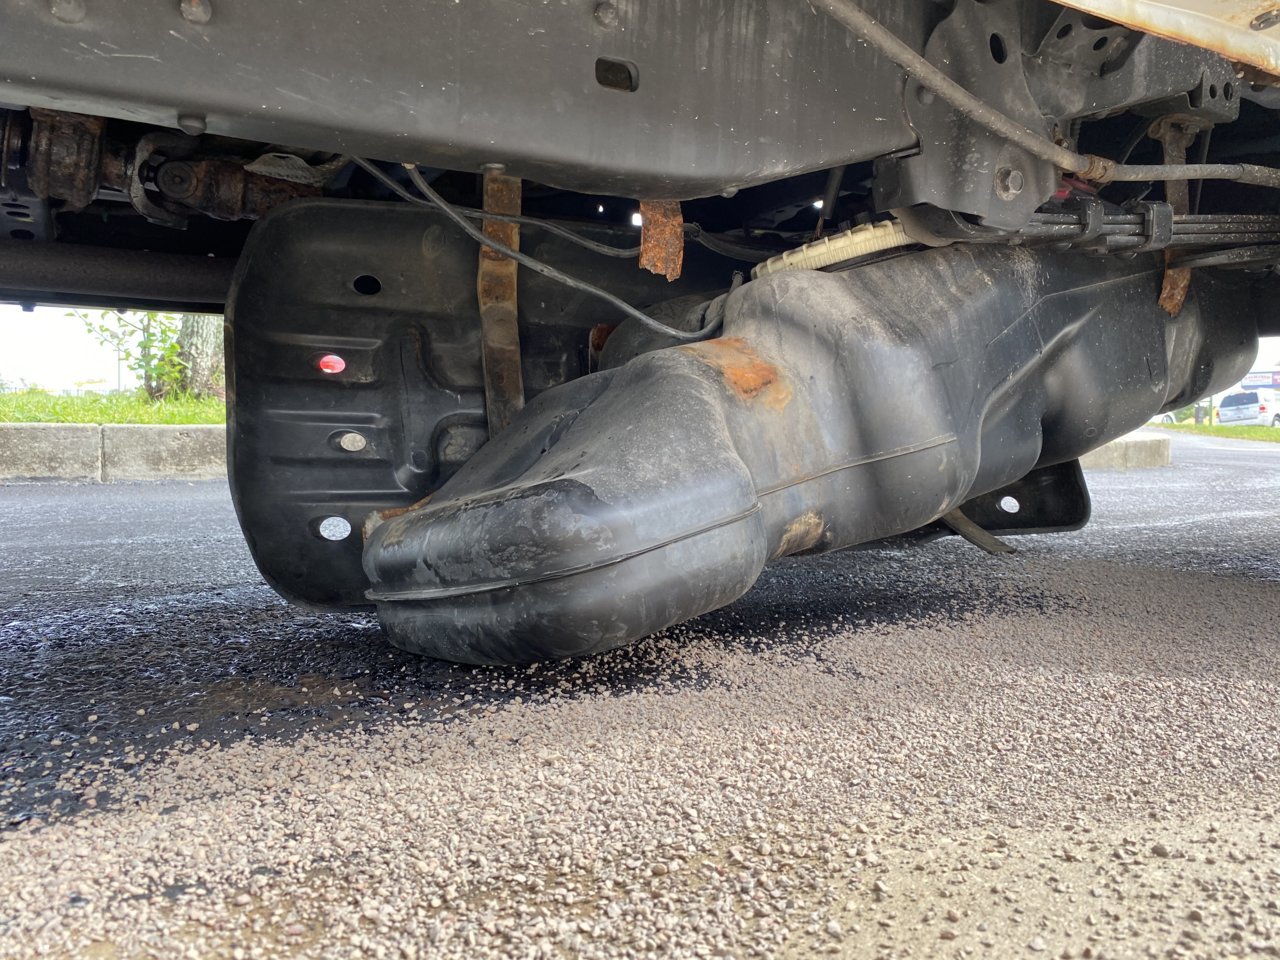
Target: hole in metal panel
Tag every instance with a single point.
(334, 528)
(366, 284)
(1010, 505)
(617, 74)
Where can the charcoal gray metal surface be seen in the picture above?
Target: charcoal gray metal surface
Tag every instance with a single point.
(674, 100)
(64, 273)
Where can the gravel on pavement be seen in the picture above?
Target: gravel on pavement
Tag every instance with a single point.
(1070, 752)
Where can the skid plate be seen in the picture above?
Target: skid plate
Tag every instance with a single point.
(390, 290)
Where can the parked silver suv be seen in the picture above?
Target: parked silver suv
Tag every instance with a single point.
(1250, 407)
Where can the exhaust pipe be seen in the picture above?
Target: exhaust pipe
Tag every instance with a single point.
(836, 409)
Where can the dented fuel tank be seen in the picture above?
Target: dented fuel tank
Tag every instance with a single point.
(835, 409)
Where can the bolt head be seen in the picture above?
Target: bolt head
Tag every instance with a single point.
(191, 124)
(1009, 183)
(606, 14)
(352, 442)
(196, 11)
(176, 179)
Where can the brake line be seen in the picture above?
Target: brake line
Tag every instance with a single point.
(716, 243)
(537, 266)
(1090, 167)
(604, 249)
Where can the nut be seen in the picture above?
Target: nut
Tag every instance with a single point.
(1009, 183)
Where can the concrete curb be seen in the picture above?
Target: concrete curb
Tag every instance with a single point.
(1134, 452)
(50, 451)
(85, 451)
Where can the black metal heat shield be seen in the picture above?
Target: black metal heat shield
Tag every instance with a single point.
(836, 409)
(390, 289)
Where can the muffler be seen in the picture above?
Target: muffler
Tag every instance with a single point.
(836, 409)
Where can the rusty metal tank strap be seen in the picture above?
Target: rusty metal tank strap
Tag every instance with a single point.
(499, 311)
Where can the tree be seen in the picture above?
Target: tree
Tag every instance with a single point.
(148, 341)
(170, 353)
(200, 353)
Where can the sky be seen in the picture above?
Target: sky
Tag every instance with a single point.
(49, 349)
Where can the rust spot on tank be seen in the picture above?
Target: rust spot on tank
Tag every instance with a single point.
(398, 511)
(600, 334)
(376, 519)
(745, 372)
(803, 533)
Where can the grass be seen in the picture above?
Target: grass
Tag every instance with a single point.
(1270, 434)
(36, 406)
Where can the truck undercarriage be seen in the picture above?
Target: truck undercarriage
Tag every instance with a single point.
(549, 326)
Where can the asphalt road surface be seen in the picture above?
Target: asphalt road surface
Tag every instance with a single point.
(1070, 752)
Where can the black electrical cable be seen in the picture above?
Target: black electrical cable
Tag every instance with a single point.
(546, 270)
(1138, 134)
(1202, 156)
(604, 249)
(728, 248)
(713, 242)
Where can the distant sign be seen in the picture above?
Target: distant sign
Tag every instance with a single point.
(1262, 378)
